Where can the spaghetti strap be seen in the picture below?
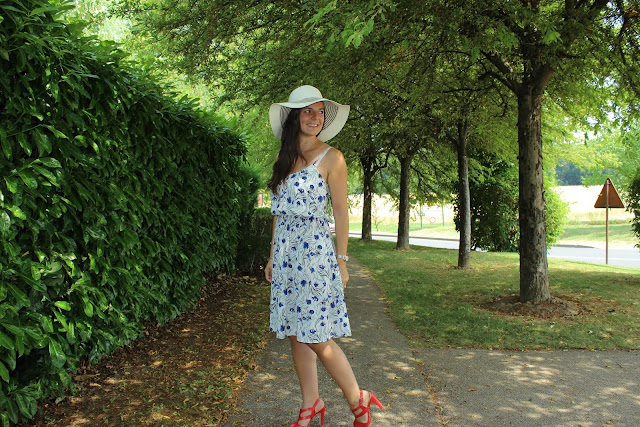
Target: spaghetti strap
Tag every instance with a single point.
(319, 159)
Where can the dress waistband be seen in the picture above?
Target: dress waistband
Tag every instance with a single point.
(304, 217)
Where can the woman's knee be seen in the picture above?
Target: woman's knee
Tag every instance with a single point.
(321, 347)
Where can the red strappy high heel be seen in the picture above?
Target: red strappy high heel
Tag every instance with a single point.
(310, 416)
(365, 410)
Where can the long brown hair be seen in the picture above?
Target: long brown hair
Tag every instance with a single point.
(289, 150)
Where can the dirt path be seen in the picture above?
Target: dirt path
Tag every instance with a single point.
(185, 372)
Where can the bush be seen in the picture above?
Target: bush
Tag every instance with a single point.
(633, 204)
(556, 213)
(494, 208)
(255, 227)
(255, 244)
(115, 200)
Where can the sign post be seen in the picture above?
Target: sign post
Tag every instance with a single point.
(608, 198)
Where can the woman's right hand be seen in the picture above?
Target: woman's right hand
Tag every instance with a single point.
(268, 269)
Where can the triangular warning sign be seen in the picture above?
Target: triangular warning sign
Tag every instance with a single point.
(614, 198)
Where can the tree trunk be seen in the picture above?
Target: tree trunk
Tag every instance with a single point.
(534, 274)
(464, 208)
(367, 169)
(405, 206)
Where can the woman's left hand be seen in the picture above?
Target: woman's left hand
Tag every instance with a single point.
(268, 270)
(342, 265)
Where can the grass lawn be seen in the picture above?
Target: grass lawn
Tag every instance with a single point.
(438, 305)
(596, 234)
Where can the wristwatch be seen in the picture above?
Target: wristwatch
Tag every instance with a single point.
(344, 257)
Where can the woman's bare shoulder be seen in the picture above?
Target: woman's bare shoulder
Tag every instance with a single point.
(333, 164)
(335, 157)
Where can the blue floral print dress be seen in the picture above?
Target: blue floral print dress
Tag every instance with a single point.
(307, 299)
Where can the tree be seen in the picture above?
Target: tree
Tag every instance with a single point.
(494, 194)
(527, 43)
(373, 155)
(407, 82)
(534, 39)
(472, 102)
(613, 154)
(253, 56)
(532, 47)
(568, 173)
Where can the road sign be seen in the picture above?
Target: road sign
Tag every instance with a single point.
(608, 198)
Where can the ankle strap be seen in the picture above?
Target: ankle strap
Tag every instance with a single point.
(312, 409)
(363, 410)
(360, 407)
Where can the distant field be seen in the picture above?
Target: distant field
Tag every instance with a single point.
(586, 223)
(431, 230)
(580, 199)
(620, 235)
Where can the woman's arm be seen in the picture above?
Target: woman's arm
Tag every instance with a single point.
(268, 269)
(337, 180)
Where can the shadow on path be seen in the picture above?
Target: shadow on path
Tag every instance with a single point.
(453, 387)
(380, 357)
(561, 388)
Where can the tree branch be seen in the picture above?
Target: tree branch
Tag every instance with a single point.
(505, 68)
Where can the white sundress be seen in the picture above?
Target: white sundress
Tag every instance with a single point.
(307, 299)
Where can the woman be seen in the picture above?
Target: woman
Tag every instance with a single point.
(307, 274)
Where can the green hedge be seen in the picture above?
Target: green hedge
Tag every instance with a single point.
(255, 244)
(115, 200)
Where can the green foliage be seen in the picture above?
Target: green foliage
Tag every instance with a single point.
(567, 173)
(556, 213)
(614, 154)
(114, 202)
(494, 208)
(633, 204)
(255, 226)
(255, 242)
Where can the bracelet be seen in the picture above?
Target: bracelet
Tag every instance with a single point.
(344, 257)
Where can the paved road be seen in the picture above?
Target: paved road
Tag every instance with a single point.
(617, 256)
(625, 257)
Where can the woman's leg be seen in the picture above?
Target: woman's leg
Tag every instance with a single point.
(337, 364)
(305, 361)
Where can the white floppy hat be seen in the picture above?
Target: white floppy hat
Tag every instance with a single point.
(335, 115)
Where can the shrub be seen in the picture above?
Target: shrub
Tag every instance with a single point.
(115, 200)
(255, 227)
(633, 204)
(255, 244)
(556, 213)
(494, 208)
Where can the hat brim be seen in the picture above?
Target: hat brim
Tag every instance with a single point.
(335, 116)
